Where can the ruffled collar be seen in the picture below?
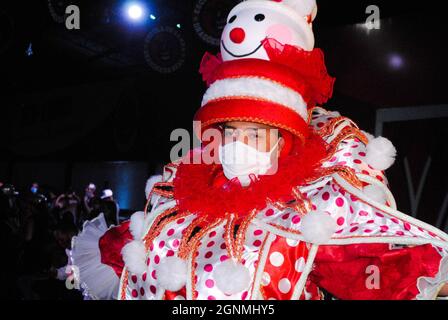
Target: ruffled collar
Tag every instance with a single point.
(202, 189)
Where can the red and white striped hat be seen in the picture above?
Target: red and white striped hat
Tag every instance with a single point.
(278, 92)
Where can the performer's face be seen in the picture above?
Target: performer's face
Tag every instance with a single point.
(259, 136)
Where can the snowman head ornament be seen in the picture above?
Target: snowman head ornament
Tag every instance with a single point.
(252, 21)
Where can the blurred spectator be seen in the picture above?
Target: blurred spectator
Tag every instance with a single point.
(69, 202)
(36, 228)
(88, 203)
(110, 207)
(12, 241)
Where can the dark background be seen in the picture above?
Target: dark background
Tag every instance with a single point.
(85, 105)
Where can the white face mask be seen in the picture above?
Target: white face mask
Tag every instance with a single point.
(241, 161)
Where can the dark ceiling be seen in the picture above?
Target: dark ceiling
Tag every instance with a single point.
(108, 47)
(402, 64)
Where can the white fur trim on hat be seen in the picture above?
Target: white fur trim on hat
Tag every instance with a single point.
(172, 274)
(257, 88)
(134, 256)
(381, 153)
(318, 227)
(231, 277)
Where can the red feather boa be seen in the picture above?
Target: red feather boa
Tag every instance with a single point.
(197, 188)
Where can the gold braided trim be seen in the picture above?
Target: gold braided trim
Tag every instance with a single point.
(253, 98)
(303, 204)
(256, 120)
(345, 172)
(263, 294)
(329, 127)
(300, 204)
(346, 133)
(286, 229)
(186, 242)
(240, 237)
(159, 223)
(166, 194)
(229, 236)
(277, 204)
(125, 285)
(310, 115)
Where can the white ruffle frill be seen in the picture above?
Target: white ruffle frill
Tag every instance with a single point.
(98, 281)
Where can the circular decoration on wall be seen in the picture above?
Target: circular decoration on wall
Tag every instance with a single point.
(165, 49)
(6, 31)
(210, 17)
(57, 9)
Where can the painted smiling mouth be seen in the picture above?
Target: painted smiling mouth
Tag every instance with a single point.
(241, 55)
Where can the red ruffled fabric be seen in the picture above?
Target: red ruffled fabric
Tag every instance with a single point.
(341, 270)
(197, 188)
(209, 64)
(111, 244)
(309, 65)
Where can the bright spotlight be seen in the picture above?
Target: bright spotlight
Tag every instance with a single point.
(135, 11)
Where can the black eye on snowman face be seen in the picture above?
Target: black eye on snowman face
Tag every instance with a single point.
(259, 17)
(233, 18)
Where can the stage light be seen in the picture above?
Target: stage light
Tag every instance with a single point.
(152, 17)
(178, 25)
(135, 11)
(396, 61)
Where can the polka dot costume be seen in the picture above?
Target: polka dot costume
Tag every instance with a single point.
(274, 251)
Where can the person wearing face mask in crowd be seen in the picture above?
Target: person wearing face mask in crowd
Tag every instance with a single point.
(283, 200)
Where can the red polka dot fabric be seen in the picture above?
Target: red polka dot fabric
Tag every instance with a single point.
(286, 260)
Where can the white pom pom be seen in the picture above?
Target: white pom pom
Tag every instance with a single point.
(318, 227)
(304, 7)
(134, 256)
(231, 277)
(150, 184)
(137, 224)
(375, 193)
(380, 153)
(172, 274)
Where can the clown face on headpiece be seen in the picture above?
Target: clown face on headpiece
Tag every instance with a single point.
(252, 21)
(268, 71)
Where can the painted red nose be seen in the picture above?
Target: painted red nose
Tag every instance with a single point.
(237, 35)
